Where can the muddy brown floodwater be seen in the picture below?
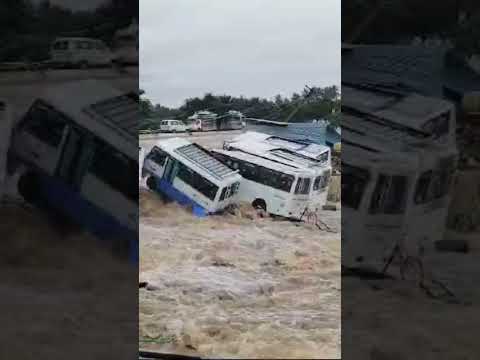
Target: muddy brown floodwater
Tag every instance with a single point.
(238, 285)
(65, 294)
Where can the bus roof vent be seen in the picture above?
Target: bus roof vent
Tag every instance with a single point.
(204, 159)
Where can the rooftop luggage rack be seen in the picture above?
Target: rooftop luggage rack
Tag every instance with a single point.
(202, 157)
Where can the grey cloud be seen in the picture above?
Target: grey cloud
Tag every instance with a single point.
(251, 48)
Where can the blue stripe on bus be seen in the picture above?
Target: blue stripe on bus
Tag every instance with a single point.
(176, 195)
(59, 196)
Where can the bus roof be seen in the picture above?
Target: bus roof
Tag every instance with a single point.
(99, 108)
(367, 145)
(262, 161)
(412, 110)
(277, 153)
(376, 132)
(197, 157)
(311, 150)
(357, 155)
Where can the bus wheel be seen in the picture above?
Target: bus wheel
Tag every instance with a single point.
(260, 204)
(151, 183)
(28, 187)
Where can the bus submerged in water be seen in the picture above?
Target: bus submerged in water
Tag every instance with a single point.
(310, 156)
(189, 174)
(396, 185)
(277, 188)
(73, 151)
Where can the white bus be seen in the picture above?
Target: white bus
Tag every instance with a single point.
(203, 121)
(289, 152)
(277, 188)
(189, 174)
(394, 193)
(75, 152)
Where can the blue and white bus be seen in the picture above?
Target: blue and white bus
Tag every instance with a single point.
(189, 174)
(75, 153)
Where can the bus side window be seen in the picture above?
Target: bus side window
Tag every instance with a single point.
(110, 167)
(197, 181)
(45, 124)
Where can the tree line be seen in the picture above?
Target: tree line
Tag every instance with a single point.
(27, 28)
(394, 21)
(311, 103)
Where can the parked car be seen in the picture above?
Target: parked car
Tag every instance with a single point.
(80, 52)
(173, 126)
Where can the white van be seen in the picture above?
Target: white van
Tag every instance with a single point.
(172, 126)
(80, 52)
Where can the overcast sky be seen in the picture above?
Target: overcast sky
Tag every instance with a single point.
(238, 47)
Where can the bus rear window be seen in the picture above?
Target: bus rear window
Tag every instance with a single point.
(303, 186)
(389, 196)
(354, 182)
(229, 191)
(433, 185)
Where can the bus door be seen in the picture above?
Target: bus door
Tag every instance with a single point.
(70, 167)
(171, 169)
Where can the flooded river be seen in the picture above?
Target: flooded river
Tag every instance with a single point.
(237, 285)
(234, 286)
